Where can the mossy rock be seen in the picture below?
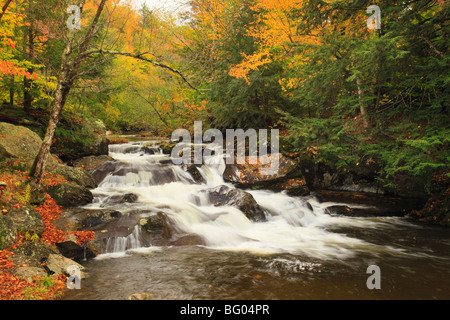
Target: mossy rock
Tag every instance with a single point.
(8, 232)
(27, 220)
(70, 194)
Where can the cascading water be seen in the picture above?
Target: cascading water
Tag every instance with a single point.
(291, 225)
(296, 252)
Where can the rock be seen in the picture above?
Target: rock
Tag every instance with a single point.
(57, 264)
(154, 222)
(22, 143)
(70, 194)
(8, 232)
(18, 142)
(244, 201)
(27, 220)
(96, 218)
(188, 240)
(159, 228)
(86, 219)
(38, 251)
(101, 172)
(247, 174)
(436, 210)
(141, 296)
(88, 138)
(28, 273)
(129, 198)
(362, 212)
(91, 163)
(287, 178)
(71, 250)
(79, 176)
(167, 147)
(378, 205)
(196, 175)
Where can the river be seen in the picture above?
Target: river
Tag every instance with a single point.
(300, 252)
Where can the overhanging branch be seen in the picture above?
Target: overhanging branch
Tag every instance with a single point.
(141, 56)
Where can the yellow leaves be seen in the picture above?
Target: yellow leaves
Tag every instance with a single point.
(251, 62)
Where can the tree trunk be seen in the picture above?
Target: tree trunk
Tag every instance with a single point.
(4, 8)
(62, 91)
(27, 82)
(362, 104)
(67, 77)
(11, 92)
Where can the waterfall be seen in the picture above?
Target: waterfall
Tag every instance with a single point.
(121, 244)
(292, 225)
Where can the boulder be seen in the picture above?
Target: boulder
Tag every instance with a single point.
(87, 138)
(71, 174)
(96, 218)
(244, 201)
(377, 205)
(196, 175)
(34, 251)
(363, 212)
(436, 210)
(188, 240)
(22, 143)
(71, 250)
(91, 163)
(158, 228)
(27, 220)
(288, 177)
(57, 264)
(8, 232)
(18, 142)
(86, 219)
(70, 194)
(28, 273)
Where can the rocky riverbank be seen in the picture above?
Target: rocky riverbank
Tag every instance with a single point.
(76, 179)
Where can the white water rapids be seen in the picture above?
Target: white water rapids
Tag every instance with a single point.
(291, 226)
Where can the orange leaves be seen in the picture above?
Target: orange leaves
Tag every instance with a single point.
(51, 180)
(15, 288)
(9, 68)
(50, 212)
(83, 236)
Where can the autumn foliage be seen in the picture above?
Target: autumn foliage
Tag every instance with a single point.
(51, 211)
(15, 288)
(17, 194)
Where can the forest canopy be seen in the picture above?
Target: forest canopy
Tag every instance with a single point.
(341, 93)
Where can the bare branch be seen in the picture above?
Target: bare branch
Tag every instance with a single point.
(4, 8)
(141, 56)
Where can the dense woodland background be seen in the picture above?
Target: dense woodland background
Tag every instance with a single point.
(342, 93)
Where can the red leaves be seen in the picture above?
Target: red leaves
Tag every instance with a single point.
(9, 68)
(83, 236)
(15, 288)
(49, 212)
